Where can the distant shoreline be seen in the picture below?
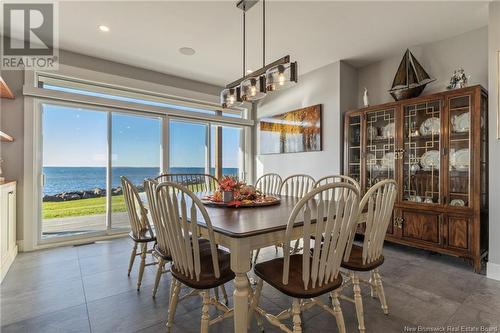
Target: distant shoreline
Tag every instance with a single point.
(77, 180)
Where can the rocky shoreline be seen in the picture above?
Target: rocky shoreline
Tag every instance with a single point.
(86, 194)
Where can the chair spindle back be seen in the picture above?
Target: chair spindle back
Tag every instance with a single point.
(379, 204)
(137, 214)
(297, 185)
(333, 219)
(269, 183)
(194, 182)
(180, 210)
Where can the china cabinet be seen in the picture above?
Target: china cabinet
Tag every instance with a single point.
(435, 147)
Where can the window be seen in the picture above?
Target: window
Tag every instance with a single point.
(87, 144)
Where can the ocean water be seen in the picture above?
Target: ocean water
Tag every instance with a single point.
(69, 179)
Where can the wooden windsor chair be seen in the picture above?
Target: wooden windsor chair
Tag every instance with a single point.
(303, 277)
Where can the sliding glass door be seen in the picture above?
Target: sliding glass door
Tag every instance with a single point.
(188, 146)
(86, 150)
(135, 154)
(74, 150)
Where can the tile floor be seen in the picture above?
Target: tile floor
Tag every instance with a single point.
(86, 289)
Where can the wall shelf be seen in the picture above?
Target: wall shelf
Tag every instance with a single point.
(5, 91)
(4, 137)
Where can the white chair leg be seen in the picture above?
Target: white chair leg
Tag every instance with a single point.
(172, 307)
(143, 264)
(159, 272)
(380, 291)
(132, 258)
(254, 302)
(373, 290)
(216, 294)
(224, 294)
(205, 317)
(358, 301)
(339, 317)
(297, 323)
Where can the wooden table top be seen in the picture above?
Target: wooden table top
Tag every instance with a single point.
(248, 221)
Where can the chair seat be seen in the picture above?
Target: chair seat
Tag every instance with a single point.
(207, 275)
(143, 237)
(355, 262)
(272, 272)
(165, 256)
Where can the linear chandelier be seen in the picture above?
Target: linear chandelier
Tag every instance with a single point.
(275, 76)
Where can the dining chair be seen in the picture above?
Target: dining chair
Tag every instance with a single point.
(297, 185)
(337, 179)
(376, 209)
(269, 183)
(196, 262)
(161, 249)
(141, 231)
(304, 277)
(193, 181)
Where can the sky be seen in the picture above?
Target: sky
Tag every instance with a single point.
(77, 137)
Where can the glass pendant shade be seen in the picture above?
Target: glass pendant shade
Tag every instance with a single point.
(253, 89)
(281, 76)
(228, 97)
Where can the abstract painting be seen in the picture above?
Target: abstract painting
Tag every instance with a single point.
(291, 132)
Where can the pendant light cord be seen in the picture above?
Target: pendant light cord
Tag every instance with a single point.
(263, 33)
(244, 41)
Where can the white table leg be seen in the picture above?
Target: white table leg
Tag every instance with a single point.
(240, 265)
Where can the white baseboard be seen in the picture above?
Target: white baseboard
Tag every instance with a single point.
(9, 259)
(493, 271)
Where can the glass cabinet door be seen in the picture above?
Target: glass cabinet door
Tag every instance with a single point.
(460, 150)
(380, 146)
(422, 152)
(354, 147)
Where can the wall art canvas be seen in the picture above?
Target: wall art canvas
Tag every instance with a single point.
(291, 132)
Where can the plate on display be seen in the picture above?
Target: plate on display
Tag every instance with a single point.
(461, 123)
(388, 131)
(459, 159)
(388, 161)
(372, 132)
(430, 126)
(430, 160)
(457, 202)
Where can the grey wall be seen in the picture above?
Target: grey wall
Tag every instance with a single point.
(493, 269)
(440, 59)
(321, 86)
(12, 111)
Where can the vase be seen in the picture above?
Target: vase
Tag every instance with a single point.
(227, 196)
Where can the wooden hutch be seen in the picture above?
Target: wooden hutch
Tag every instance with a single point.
(436, 148)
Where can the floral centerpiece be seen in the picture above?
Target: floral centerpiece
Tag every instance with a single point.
(236, 193)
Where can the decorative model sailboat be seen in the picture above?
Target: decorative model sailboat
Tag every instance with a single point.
(410, 80)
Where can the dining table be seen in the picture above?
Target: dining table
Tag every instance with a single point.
(243, 230)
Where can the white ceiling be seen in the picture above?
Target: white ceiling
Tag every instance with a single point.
(149, 34)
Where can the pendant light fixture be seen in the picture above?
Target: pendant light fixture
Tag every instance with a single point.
(272, 77)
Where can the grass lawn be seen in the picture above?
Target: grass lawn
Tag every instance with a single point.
(82, 207)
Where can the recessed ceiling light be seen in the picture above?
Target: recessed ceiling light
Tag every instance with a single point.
(249, 71)
(104, 28)
(187, 50)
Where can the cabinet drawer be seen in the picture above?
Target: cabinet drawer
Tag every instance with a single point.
(421, 226)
